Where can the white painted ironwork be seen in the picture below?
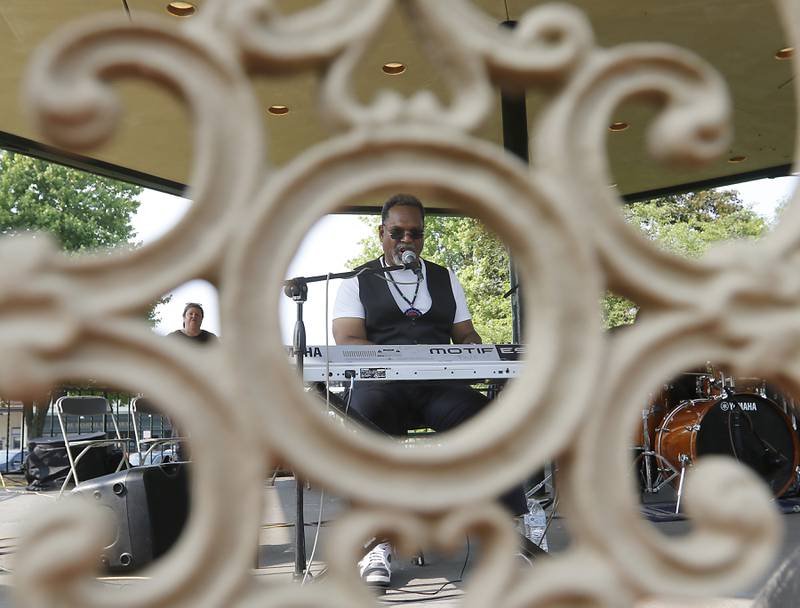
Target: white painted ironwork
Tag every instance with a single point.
(576, 398)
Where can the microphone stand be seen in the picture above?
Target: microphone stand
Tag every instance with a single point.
(511, 291)
(297, 289)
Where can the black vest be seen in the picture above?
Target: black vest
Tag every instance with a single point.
(386, 323)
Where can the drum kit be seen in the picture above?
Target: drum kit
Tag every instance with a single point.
(709, 412)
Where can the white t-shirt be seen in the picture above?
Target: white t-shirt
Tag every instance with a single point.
(348, 303)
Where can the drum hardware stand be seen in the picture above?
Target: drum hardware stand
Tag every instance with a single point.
(647, 453)
(650, 486)
(648, 449)
(727, 385)
(794, 489)
(538, 486)
(683, 459)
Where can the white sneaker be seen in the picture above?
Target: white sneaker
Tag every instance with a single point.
(375, 567)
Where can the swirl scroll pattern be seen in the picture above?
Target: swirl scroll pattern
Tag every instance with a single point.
(558, 218)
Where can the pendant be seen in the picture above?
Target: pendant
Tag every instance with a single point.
(413, 313)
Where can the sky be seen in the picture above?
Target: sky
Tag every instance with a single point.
(158, 212)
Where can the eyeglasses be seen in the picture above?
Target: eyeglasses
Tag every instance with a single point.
(398, 234)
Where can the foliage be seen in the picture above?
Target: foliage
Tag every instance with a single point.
(371, 245)
(685, 224)
(688, 223)
(478, 258)
(84, 212)
(617, 310)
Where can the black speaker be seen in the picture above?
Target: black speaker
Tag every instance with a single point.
(150, 506)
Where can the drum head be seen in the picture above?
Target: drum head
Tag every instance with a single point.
(756, 432)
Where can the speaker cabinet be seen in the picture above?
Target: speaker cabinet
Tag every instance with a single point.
(150, 506)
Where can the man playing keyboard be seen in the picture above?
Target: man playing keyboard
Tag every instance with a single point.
(425, 305)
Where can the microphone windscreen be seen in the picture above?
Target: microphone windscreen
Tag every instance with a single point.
(408, 257)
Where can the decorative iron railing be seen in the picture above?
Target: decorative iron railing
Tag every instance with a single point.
(562, 224)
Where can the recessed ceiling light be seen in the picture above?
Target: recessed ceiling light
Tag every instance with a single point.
(618, 126)
(278, 110)
(737, 159)
(784, 53)
(181, 9)
(393, 68)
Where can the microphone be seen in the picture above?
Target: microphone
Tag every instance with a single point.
(411, 262)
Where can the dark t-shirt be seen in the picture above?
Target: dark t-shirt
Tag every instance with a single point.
(203, 336)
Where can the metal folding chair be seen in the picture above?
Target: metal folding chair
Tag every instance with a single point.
(145, 446)
(86, 405)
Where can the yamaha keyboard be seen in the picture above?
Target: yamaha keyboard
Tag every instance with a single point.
(411, 362)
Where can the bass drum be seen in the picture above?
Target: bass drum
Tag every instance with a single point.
(746, 426)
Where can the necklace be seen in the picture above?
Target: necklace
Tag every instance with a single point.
(411, 312)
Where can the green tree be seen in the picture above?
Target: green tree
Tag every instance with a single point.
(479, 259)
(83, 211)
(686, 224)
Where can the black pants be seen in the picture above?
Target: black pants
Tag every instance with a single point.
(397, 407)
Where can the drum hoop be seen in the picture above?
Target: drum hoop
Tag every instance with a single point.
(671, 414)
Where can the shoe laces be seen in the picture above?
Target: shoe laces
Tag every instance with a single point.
(379, 555)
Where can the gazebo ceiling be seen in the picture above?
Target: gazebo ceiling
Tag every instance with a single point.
(153, 146)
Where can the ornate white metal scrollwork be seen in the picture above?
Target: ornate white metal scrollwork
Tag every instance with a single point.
(558, 217)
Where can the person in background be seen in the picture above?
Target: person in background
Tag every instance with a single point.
(192, 320)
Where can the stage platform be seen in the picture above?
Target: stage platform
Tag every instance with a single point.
(437, 583)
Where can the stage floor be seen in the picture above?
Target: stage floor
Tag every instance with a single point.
(434, 584)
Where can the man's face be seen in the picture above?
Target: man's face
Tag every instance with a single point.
(192, 320)
(398, 232)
